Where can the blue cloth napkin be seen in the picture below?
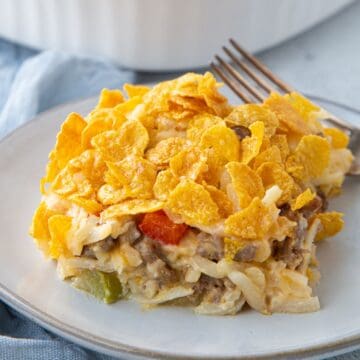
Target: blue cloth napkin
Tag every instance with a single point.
(31, 82)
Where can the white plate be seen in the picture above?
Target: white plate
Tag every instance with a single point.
(30, 284)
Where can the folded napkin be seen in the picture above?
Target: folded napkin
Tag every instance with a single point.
(31, 82)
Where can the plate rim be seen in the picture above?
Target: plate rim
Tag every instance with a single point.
(114, 348)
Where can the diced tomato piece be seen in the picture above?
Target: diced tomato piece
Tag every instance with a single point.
(158, 226)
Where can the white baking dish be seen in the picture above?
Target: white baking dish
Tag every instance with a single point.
(157, 34)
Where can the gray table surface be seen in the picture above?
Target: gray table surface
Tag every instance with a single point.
(324, 61)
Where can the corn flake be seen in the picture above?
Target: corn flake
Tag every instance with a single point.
(222, 201)
(59, 226)
(223, 141)
(68, 145)
(132, 207)
(165, 183)
(108, 195)
(90, 205)
(109, 98)
(200, 123)
(253, 222)
(270, 154)
(131, 138)
(215, 166)
(166, 149)
(250, 146)
(331, 224)
(193, 203)
(127, 107)
(136, 90)
(310, 158)
(272, 174)
(39, 227)
(303, 199)
(339, 140)
(99, 121)
(247, 114)
(188, 163)
(83, 175)
(289, 118)
(135, 174)
(280, 141)
(303, 106)
(204, 90)
(245, 183)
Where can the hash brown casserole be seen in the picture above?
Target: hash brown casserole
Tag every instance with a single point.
(172, 195)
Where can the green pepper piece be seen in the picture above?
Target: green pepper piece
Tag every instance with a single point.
(104, 286)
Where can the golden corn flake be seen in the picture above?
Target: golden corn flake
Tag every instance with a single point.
(199, 123)
(134, 174)
(109, 98)
(90, 205)
(157, 99)
(59, 226)
(189, 163)
(39, 229)
(253, 222)
(247, 114)
(214, 170)
(287, 115)
(222, 201)
(108, 195)
(271, 174)
(193, 203)
(280, 141)
(131, 138)
(64, 183)
(270, 154)
(68, 145)
(331, 224)
(310, 158)
(203, 88)
(83, 175)
(166, 149)
(189, 103)
(132, 207)
(91, 165)
(303, 199)
(99, 121)
(303, 106)
(223, 141)
(339, 140)
(208, 88)
(250, 146)
(127, 106)
(136, 90)
(245, 183)
(165, 183)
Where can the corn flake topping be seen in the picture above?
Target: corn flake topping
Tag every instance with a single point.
(174, 148)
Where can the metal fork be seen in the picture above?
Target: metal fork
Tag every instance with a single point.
(252, 82)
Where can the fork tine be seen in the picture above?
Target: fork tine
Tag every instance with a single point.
(240, 79)
(228, 82)
(260, 66)
(251, 74)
